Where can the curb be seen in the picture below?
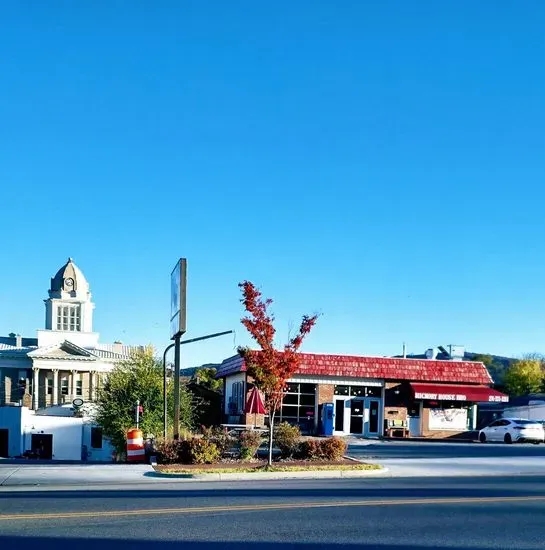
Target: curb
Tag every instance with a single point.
(264, 476)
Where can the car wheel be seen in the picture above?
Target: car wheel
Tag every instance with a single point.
(482, 438)
(537, 442)
(508, 439)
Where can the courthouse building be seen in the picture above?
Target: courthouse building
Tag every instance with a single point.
(64, 362)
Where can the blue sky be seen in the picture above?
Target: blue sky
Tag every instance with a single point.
(381, 163)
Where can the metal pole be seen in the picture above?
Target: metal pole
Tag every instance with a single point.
(176, 426)
(177, 343)
(165, 413)
(137, 413)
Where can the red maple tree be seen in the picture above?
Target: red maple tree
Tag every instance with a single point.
(269, 367)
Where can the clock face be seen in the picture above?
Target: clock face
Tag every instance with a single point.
(69, 282)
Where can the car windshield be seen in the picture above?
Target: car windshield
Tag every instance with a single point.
(527, 423)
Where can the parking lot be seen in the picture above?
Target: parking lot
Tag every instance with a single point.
(367, 449)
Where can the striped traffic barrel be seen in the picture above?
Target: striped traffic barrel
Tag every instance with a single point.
(135, 446)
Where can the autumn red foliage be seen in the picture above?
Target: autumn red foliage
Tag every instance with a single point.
(269, 367)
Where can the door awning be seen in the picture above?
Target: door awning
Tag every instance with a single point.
(457, 392)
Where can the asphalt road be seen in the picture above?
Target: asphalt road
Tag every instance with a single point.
(385, 514)
(420, 449)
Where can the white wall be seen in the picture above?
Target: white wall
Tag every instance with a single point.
(529, 412)
(102, 455)
(229, 381)
(11, 418)
(67, 434)
(54, 337)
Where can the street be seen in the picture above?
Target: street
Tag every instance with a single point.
(387, 514)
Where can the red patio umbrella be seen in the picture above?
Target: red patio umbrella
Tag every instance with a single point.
(254, 404)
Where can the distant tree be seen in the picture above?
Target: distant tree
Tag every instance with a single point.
(206, 376)
(525, 375)
(139, 378)
(270, 368)
(496, 367)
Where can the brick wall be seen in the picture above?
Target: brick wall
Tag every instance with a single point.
(325, 393)
(435, 434)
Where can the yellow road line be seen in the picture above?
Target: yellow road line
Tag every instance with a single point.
(263, 507)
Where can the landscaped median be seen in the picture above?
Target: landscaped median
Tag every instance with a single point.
(216, 455)
(260, 470)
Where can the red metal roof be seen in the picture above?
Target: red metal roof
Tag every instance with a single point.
(388, 368)
(457, 392)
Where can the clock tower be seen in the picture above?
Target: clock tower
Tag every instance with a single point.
(69, 308)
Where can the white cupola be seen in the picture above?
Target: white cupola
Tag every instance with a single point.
(69, 307)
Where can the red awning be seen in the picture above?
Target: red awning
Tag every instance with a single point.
(457, 392)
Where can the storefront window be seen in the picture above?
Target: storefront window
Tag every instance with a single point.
(359, 391)
(298, 405)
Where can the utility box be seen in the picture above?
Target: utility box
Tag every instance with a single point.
(327, 419)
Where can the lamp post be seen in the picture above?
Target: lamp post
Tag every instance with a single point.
(177, 343)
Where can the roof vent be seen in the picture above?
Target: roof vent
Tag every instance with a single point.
(431, 353)
(456, 352)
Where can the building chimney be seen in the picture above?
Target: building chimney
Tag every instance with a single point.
(404, 350)
(18, 341)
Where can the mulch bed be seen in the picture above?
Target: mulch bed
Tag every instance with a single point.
(236, 465)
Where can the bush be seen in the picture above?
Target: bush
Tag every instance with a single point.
(202, 451)
(250, 441)
(309, 450)
(167, 451)
(332, 448)
(287, 438)
(217, 435)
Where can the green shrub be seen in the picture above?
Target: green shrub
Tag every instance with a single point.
(332, 448)
(202, 451)
(287, 438)
(250, 441)
(217, 435)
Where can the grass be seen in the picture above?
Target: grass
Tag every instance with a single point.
(283, 468)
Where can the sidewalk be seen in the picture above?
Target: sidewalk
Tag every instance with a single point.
(74, 474)
(463, 467)
(89, 475)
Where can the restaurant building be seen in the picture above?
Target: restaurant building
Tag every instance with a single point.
(371, 396)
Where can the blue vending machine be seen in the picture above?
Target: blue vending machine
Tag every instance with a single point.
(327, 419)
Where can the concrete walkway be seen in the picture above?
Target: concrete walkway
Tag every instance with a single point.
(450, 467)
(81, 475)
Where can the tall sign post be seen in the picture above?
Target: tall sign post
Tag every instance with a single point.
(178, 286)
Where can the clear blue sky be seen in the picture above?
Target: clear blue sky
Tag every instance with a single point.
(381, 163)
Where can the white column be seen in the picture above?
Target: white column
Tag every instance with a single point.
(72, 384)
(35, 387)
(93, 385)
(55, 387)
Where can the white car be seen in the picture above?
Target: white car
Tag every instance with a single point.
(513, 430)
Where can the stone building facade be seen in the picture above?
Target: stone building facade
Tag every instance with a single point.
(65, 361)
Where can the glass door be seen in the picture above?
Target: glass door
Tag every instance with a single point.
(372, 417)
(339, 416)
(356, 416)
